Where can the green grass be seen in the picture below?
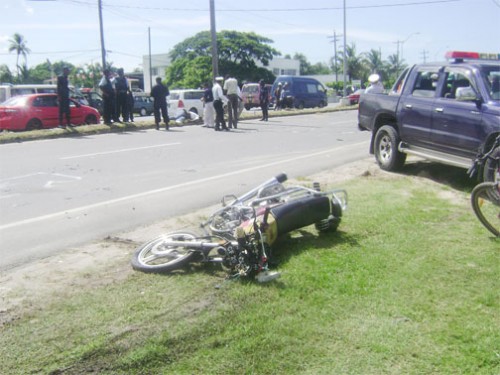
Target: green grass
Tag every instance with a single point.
(408, 285)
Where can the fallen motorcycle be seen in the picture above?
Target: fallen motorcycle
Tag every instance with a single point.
(241, 233)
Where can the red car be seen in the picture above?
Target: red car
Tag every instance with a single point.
(37, 111)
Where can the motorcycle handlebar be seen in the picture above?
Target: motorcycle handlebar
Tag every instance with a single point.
(282, 177)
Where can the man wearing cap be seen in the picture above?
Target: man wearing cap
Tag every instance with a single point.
(231, 89)
(219, 100)
(376, 87)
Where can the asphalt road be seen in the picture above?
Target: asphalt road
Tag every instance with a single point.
(56, 194)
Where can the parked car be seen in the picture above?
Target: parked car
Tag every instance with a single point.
(8, 91)
(93, 98)
(354, 97)
(302, 92)
(143, 105)
(250, 93)
(190, 100)
(37, 111)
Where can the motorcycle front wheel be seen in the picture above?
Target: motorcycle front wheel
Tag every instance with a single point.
(158, 256)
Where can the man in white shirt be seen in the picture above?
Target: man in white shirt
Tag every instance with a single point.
(219, 100)
(376, 87)
(231, 89)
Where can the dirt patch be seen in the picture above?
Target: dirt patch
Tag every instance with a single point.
(30, 287)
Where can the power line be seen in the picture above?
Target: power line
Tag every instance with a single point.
(320, 9)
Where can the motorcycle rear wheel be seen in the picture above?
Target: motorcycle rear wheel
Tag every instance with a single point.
(156, 256)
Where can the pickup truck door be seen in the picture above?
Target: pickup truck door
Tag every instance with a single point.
(416, 107)
(457, 117)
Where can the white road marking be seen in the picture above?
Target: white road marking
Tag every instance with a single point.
(168, 188)
(118, 151)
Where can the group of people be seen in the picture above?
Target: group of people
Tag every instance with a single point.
(227, 92)
(117, 98)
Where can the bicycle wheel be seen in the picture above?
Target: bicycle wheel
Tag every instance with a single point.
(157, 256)
(485, 199)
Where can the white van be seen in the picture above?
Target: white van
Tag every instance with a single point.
(190, 100)
(9, 90)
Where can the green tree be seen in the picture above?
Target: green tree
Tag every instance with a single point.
(395, 65)
(306, 68)
(19, 45)
(5, 74)
(355, 67)
(238, 53)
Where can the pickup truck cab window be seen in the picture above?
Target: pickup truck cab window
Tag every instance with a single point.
(425, 84)
(456, 80)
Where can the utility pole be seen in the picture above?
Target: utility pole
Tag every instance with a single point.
(334, 38)
(150, 63)
(424, 55)
(215, 53)
(345, 57)
(103, 50)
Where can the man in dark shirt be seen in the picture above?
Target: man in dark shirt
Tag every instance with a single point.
(121, 88)
(63, 97)
(264, 100)
(159, 94)
(108, 97)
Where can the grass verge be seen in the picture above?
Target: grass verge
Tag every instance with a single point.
(408, 285)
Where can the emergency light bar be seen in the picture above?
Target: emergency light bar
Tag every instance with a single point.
(460, 55)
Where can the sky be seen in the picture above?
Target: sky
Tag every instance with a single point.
(422, 30)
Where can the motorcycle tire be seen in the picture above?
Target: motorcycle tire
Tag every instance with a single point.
(155, 257)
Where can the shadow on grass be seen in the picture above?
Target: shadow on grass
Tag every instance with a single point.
(454, 177)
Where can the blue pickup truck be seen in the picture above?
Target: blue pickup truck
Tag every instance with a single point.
(448, 112)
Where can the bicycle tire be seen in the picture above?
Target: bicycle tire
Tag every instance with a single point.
(485, 199)
(154, 257)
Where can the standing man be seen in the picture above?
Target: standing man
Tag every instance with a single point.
(219, 100)
(63, 97)
(376, 87)
(264, 100)
(277, 95)
(108, 97)
(159, 94)
(208, 106)
(231, 89)
(121, 87)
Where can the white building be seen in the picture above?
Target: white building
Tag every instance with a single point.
(159, 63)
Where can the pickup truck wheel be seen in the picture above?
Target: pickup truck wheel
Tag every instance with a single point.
(388, 157)
(491, 171)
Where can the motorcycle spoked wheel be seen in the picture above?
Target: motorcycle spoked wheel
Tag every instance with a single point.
(156, 256)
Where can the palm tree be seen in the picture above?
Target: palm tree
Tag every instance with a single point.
(395, 65)
(373, 60)
(18, 44)
(354, 65)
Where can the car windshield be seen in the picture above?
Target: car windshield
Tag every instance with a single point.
(16, 101)
(491, 77)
